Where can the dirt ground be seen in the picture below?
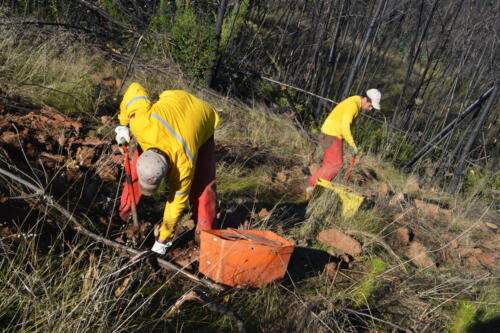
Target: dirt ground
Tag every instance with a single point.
(71, 153)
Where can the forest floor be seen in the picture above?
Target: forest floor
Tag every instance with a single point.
(413, 258)
(80, 166)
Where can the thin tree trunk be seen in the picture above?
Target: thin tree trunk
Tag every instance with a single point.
(446, 131)
(460, 170)
(354, 69)
(212, 65)
(331, 56)
(414, 53)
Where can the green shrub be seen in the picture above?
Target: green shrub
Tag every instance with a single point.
(369, 283)
(192, 40)
(464, 318)
(238, 21)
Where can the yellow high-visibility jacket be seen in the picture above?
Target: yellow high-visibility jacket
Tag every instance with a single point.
(178, 124)
(338, 123)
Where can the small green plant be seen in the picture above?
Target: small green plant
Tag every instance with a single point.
(369, 283)
(464, 318)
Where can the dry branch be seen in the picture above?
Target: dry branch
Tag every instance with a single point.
(198, 296)
(108, 17)
(82, 230)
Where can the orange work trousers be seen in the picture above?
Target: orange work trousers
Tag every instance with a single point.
(202, 195)
(332, 158)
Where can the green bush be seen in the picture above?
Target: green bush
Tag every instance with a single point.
(364, 291)
(238, 21)
(192, 40)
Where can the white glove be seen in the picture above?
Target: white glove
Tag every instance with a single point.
(161, 248)
(122, 134)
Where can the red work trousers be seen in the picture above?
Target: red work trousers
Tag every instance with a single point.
(332, 159)
(202, 196)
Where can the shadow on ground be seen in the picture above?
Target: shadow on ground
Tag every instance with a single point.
(490, 326)
(287, 215)
(306, 262)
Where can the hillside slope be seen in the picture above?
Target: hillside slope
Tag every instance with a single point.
(412, 258)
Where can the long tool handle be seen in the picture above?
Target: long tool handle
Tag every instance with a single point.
(350, 169)
(128, 176)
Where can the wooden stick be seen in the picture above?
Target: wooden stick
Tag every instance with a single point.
(81, 229)
(108, 17)
(198, 296)
(129, 65)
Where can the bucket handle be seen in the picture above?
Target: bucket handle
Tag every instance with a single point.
(257, 239)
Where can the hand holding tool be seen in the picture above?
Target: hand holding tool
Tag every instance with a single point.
(128, 173)
(122, 136)
(353, 159)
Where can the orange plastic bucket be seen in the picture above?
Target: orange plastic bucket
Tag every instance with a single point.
(244, 258)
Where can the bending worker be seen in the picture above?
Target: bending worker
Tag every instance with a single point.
(175, 139)
(336, 127)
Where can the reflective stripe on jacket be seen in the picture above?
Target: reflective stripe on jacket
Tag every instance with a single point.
(178, 124)
(338, 123)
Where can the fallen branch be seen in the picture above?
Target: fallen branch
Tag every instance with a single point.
(358, 313)
(40, 23)
(198, 296)
(129, 65)
(82, 230)
(108, 17)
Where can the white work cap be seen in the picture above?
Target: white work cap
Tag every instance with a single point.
(152, 166)
(375, 96)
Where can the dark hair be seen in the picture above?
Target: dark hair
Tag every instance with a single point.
(363, 94)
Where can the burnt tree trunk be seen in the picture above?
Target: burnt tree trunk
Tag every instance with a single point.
(460, 170)
(212, 65)
(357, 62)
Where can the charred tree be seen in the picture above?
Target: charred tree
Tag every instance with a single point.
(460, 170)
(212, 64)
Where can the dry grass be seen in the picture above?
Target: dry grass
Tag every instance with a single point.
(66, 287)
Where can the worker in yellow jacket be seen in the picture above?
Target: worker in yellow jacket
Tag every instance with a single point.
(175, 139)
(336, 127)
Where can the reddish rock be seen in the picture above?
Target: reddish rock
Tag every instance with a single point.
(487, 259)
(93, 141)
(465, 251)
(396, 199)
(107, 172)
(185, 263)
(383, 189)
(412, 184)
(106, 119)
(330, 269)
(476, 250)
(432, 210)
(281, 176)
(10, 138)
(117, 159)
(453, 243)
(340, 240)
(264, 213)
(85, 155)
(472, 261)
(95, 79)
(418, 254)
(446, 213)
(403, 236)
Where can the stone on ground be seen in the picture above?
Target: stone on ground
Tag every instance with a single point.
(339, 240)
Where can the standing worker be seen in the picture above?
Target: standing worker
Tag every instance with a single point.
(175, 139)
(336, 127)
